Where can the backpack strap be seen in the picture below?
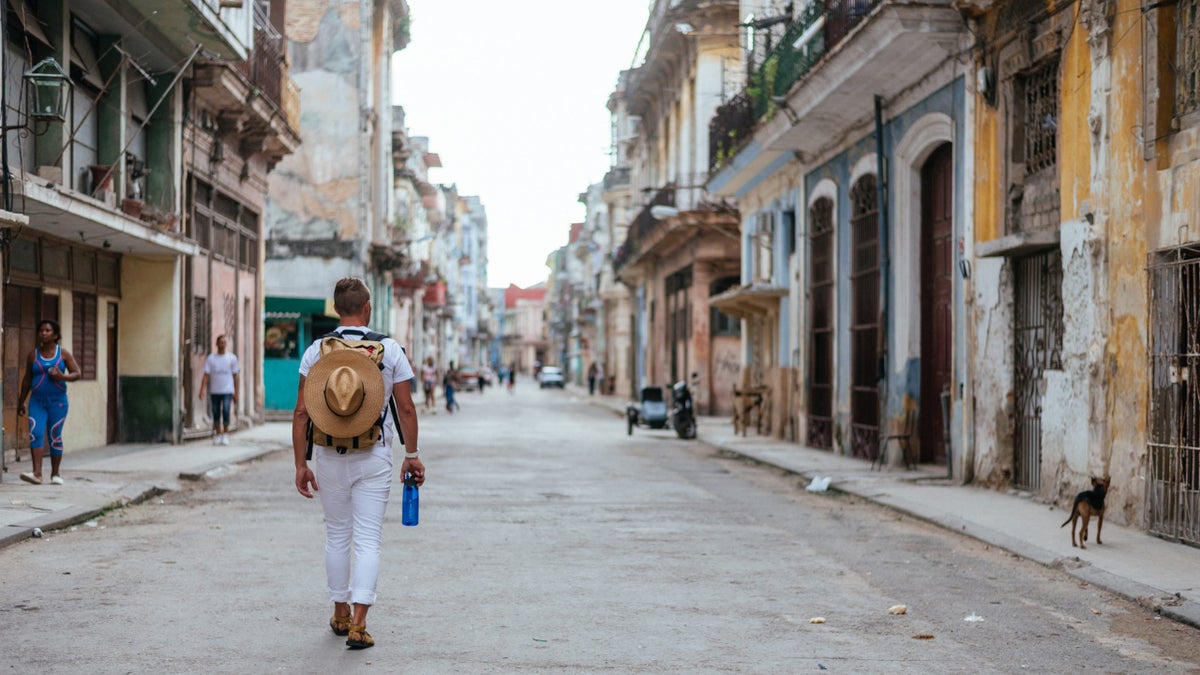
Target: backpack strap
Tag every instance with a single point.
(396, 419)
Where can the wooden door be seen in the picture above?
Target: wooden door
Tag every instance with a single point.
(864, 319)
(937, 330)
(820, 326)
(24, 308)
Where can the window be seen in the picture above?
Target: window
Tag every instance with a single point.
(201, 325)
(83, 334)
(721, 323)
(224, 226)
(54, 262)
(1187, 72)
(1039, 93)
(789, 231)
(280, 340)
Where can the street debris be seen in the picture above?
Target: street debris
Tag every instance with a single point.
(37, 533)
(898, 609)
(817, 619)
(923, 636)
(1095, 611)
(973, 618)
(819, 484)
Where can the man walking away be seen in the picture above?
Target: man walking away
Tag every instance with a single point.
(355, 483)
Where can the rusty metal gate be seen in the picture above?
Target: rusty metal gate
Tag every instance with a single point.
(864, 319)
(1173, 487)
(820, 327)
(1038, 327)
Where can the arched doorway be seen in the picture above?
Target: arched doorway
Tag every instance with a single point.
(937, 327)
(820, 325)
(864, 318)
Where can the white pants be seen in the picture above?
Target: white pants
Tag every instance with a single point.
(354, 490)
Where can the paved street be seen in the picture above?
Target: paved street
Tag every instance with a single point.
(550, 541)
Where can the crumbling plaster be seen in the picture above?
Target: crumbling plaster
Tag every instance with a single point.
(994, 411)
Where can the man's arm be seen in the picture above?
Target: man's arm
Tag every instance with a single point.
(235, 386)
(304, 475)
(407, 412)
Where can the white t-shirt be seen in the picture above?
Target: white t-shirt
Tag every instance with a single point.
(396, 368)
(220, 369)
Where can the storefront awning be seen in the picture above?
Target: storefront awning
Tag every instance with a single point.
(749, 300)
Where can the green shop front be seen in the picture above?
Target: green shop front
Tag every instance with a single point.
(289, 326)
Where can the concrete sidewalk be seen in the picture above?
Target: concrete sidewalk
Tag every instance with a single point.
(1158, 574)
(111, 476)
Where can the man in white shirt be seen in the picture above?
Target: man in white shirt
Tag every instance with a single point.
(355, 485)
(221, 380)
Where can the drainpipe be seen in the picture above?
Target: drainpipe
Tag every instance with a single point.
(884, 258)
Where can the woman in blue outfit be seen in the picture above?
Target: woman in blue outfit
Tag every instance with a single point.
(48, 369)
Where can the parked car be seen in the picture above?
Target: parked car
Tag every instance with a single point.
(551, 376)
(468, 377)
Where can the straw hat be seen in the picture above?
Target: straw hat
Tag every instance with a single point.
(343, 393)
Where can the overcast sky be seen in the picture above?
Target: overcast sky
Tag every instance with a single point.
(512, 96)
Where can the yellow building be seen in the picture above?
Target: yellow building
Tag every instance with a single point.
(1087, 274)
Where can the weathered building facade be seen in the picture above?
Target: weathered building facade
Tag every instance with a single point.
(331, 208)
(845, 155)
(617, 312)
(524, 332)
(681, 247)
(142, 196)
(1087, 177)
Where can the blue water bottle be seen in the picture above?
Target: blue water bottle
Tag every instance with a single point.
(411, 501)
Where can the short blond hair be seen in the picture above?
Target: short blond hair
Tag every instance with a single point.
(350, 296)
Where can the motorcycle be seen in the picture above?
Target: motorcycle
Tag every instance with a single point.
(683, 415)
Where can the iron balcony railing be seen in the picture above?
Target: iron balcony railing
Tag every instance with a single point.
(643, 225)
(820, 27)
(265, 67)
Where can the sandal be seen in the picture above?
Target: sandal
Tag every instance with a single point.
(359, 637)
(30, 478)
(340, 624)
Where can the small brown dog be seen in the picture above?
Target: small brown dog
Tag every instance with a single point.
(1087, 504)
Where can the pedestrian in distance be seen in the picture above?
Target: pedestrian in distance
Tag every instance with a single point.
(221, 381)
(512, 377)
(593, 371)
(343, 394)
(48, 369)
(428, 382)
(449, 384)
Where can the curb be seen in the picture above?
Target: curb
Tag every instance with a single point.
(1157, 600)
(128, 495)
(1160, 602)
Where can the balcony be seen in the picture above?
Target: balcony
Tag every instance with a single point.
(223, 32)
(663, 234)
(823, 75)
(256, 98)
(616, 178)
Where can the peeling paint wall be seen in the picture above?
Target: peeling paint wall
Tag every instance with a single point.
(1122, 197)
(317, 194)
(993, 395)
